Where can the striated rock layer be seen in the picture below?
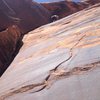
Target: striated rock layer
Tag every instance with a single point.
(58, 61)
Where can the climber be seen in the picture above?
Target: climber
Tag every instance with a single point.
(54, 18)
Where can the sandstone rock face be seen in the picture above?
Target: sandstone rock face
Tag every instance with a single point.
(58, 61)
(9, 39)
(26, 14)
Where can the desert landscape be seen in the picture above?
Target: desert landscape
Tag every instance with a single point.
(41, 59)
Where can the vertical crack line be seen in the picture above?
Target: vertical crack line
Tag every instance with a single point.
(71, 54)
(75, 46)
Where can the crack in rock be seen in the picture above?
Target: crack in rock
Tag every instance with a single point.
(54, 73)
(54, 76)
(60, 74)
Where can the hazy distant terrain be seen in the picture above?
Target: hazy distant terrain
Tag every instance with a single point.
(56, 0)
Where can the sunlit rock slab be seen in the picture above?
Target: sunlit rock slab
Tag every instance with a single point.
(58, 61)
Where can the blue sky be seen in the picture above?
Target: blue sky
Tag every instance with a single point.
(53, 0)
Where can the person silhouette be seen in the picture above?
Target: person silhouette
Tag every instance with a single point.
(54, 18)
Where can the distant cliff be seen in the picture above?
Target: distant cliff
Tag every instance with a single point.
(67, 7)
(27, 15)
(64, 8)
